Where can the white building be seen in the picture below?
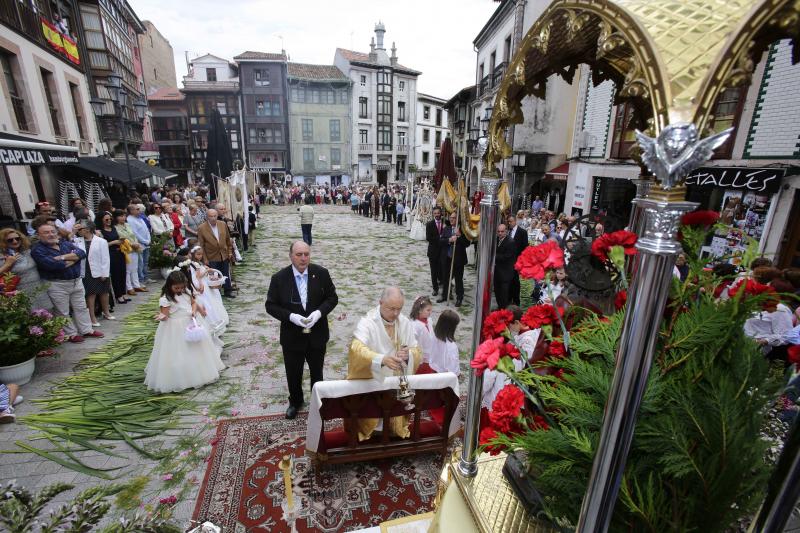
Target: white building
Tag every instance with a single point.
(45, 117)
(384, 111)
(432, 130)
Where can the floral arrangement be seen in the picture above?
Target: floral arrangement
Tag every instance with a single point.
(24, 332)
(162, 251)
(697, 458)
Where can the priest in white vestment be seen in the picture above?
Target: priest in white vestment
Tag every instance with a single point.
(384, 345)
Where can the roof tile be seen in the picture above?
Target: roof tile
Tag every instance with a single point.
(315, 72)
(269, 56)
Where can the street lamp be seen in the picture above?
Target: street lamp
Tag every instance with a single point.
(119, 97)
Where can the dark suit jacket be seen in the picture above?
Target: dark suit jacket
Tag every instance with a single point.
(504, 260)
(460, 248)
(432, 236)
(283, 299)
(520, 240)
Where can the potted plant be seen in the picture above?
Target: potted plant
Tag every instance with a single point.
(697, 458)
(24, 332)
(162, 253)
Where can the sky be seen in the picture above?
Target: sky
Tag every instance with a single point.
(432, 36)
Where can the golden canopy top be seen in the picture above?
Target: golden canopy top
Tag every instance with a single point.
(671, 58)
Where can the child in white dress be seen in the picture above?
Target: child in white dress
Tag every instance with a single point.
(423, 330)
(444, 351)
(176, 364)
(206, 282)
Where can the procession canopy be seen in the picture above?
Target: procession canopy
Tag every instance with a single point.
(670, 59)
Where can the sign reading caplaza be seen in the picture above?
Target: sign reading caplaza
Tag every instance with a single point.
(763, 180)
(28, 156)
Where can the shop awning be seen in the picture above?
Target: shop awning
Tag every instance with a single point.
(156, 171)
(18, 150)
(109, 168)
(558, 173)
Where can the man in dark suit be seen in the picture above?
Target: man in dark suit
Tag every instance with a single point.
(453, 244)
(385, 207)
(433, 231)
(520, 239)
(503, 267)
(301, 296)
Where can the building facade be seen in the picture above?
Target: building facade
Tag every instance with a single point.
(459, 120)
(45, 117)
(265, 117)
(384, 104)
(431, 130)
(212, 83)
(320, 132)
(170, 119)
(158, 59)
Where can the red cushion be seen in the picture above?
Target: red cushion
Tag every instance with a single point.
(338, 438)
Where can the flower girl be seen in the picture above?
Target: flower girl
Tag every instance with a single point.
(175, 363)
(207, 282)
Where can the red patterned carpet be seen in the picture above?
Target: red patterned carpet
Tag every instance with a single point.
(243, 486)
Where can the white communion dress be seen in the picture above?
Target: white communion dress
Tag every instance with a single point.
(210, 297)
(176, 364)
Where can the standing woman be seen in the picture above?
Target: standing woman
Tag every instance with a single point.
(96, 282)
(131, 250)
(177, 224)
(157, 224)
(15, 257)
(116, 257)
(192, 221)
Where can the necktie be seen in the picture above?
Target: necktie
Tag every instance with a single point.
(439, 227)
(302, 289)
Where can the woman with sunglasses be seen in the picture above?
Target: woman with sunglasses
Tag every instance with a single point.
(159, 222)
(96, 282)
(15, 257)
(115, 255)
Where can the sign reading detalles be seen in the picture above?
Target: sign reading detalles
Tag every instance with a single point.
(757, 180)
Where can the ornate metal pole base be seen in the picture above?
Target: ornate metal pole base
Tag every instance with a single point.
(647, 297)
(490, 206)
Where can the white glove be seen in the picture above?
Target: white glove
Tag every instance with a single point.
(314, 317)
(297, 320)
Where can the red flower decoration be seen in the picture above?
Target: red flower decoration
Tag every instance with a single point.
(538, 315)
(602, 246)
(8, 283)
(486, 435)
(556, 350)
(700, 218)
(496, 323)
(793, 355)
(620, 299)
(506, 407)
(535, 261)
(750, 287)
(539, 423)
(489, 353)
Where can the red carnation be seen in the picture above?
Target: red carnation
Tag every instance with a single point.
(489, 353)
(700, 218)
(506, 407)
(620, 300)
(538, 315)
(751, 288)
(539, 423)
(556, 350)
(535, 261)
(496, 323)
(602, 246)
(793, 355)
(488, 434)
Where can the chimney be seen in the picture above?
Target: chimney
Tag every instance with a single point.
(380, 29)
(393, 58)
(372, 55)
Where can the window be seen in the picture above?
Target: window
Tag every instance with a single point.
(480, 73)
(401, 111)
(315, 96)
(362, 107)
(77, 108)
(343, 96)
(17, 102)
(266, 135)
(384, 109)
(308, 158)
(492, 62)
(49, 94)
(426, 112)
(401, 138)
(363, 136)
(507, 50)
(402, 86)
(336, 156)
(438, 117)
(426, 157)
(335, 130)
(308, 129)
(261, 77)
(385, 138)
(426, 135)
(623, 138)
(211, 74)
(363, 81)
(268, 106)
(385, 81)
(438, 139)
(726, 115)
(222, 108)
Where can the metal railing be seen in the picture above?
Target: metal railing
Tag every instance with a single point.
(22, 18)
(497, 74)
(365, 148)
(401, 148)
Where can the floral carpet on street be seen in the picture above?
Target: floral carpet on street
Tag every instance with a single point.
(243, 488)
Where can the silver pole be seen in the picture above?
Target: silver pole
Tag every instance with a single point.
(783, 490)
(490, 206)
(647, 297)
(636, 221)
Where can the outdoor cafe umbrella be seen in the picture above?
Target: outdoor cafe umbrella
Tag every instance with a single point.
(446, 166)
(219, 157)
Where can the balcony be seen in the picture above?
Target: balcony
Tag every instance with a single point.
(484, 85)
(385, 149)
(190, 84)
(19, 112)
(497, 75)
(365, 148)
(22, 18)
(401, 148)
(472, 148)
